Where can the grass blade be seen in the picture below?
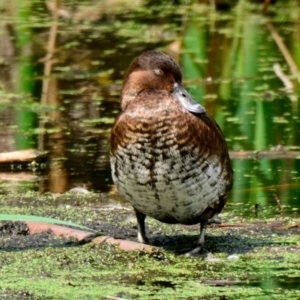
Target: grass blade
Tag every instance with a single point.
(8, 217)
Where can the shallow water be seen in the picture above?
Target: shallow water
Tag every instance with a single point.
(227, 57)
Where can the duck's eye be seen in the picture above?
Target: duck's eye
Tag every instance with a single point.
(158, 72)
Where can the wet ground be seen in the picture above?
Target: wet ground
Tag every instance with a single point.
(259, 253)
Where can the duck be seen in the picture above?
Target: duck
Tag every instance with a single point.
(169, 158)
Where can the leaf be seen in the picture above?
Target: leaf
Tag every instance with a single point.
(7, 217)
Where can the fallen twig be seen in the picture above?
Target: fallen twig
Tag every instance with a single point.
(87, 236)
(222, 282)
(290, 226)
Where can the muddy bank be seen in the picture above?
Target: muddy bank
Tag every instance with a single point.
(252, 256)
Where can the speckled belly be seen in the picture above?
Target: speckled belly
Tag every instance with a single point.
(162, 183)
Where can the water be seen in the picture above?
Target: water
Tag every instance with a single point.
(227, 59)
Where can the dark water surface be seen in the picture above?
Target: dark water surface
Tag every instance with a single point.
(231, 62)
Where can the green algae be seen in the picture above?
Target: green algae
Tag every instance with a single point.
(265, 258)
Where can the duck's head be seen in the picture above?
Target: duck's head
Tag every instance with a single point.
(154, 70)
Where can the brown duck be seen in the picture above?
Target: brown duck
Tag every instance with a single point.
(169, 158)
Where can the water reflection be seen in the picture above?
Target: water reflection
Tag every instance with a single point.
(276, 283)
(268, 183)
(227, 59)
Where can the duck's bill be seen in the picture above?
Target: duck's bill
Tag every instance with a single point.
(186, 99)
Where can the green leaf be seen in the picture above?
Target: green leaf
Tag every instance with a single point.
(7, 217)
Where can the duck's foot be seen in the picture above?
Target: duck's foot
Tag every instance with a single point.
(197, 251)
(215, 220)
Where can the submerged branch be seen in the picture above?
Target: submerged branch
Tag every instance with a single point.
(21, 156)
(29, 155)
(289, 87)
(50, 54)
(48, 65)
(284, 50)
(273, 154)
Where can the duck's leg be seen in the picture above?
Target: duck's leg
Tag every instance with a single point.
(200, 243)
(140, 217)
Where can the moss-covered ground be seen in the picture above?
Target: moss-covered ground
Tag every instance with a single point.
(245, 258)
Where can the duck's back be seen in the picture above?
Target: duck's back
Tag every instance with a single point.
(168, 163)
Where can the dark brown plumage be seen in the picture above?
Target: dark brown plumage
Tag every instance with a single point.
(169, 159)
